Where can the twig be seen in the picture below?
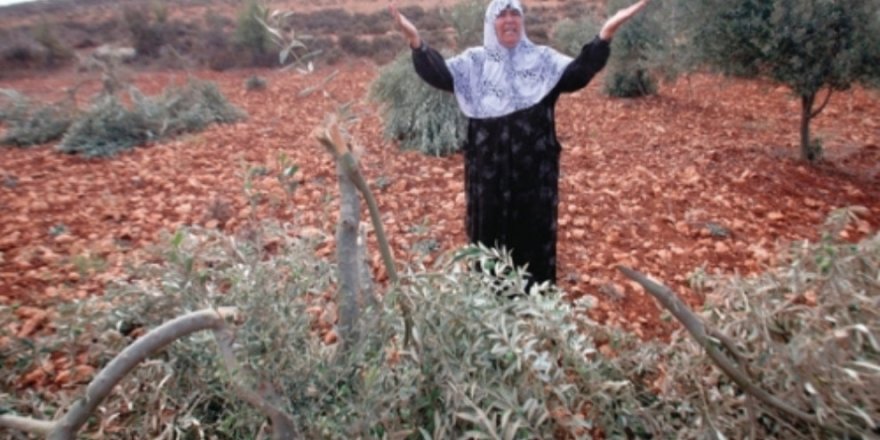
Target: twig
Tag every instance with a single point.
(741, 359)
(309, 90)
(283, 426)
(822, 107)
(695, 327)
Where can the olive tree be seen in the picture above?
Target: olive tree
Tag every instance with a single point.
(808, 45)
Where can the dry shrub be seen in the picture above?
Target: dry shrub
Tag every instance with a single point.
(57, 53)
(20, 50)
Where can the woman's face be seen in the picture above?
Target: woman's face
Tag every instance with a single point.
(508, 27)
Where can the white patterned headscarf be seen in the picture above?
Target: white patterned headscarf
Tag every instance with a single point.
(493, 81)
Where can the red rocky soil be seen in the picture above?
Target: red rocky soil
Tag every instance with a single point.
(641, 182)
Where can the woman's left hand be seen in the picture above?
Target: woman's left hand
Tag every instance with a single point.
(622, 16)
(405, 26)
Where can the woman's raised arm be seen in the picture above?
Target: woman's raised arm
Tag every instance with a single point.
(621, 17)
(405, 26)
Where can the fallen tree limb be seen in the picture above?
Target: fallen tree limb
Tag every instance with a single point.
(103, 383)
(26, 424)
(694, 325)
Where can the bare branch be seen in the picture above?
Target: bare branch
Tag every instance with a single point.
(692, 323)
(367, 297)
(347, 257)
(309, 90)
(824, 103)
(331, 139)
(26, 424)
(127, 360)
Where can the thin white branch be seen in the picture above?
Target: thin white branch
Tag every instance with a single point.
(26, 424)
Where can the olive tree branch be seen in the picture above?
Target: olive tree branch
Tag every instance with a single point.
(692, 323)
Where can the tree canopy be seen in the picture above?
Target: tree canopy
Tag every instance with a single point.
(808, 45)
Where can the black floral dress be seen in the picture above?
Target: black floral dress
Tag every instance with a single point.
(512, 165)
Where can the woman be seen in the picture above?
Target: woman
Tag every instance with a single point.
(508, 90)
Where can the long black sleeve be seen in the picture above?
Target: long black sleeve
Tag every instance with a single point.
(588, 63)
(432, 68)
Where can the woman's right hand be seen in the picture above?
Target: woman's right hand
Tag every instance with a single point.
(406, 27)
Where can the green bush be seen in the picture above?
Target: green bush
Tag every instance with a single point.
(109, 126)
(254, 83)
(57, 53)
(148, 35)
(570, 36)
(421, 117)
(252, 36)
(13, 105)
(631, 84)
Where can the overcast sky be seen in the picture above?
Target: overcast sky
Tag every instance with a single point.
(9, 2)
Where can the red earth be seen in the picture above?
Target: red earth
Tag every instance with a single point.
(643, 183)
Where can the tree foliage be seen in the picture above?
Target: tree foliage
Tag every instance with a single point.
(149, 29)
(252, 36)
(808, 45)
(569, 36)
